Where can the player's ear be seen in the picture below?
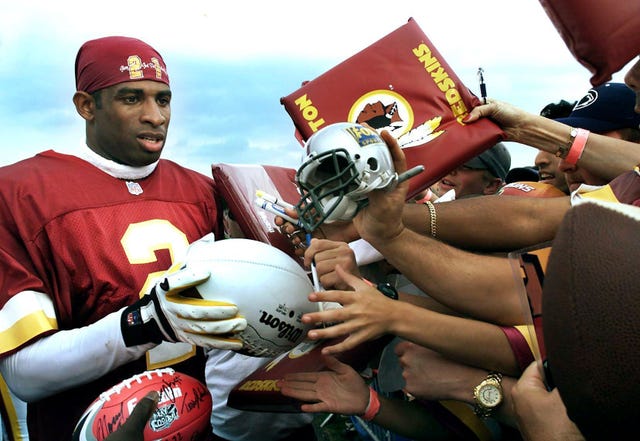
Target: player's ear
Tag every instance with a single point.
(493, 186)
(85, 105)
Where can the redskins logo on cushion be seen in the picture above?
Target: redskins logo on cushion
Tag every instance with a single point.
(531, 189)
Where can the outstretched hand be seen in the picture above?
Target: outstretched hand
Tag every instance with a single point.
(338, 231)
(381, 219)
(366, 314)
(338, 390)
(327, 255)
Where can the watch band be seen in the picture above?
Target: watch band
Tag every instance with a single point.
(388, 290)
(493, 379)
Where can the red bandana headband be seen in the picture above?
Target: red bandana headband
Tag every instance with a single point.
(107, 61)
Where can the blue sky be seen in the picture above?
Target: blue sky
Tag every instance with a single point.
(230, 63)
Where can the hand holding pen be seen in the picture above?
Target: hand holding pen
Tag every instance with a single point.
(483, 86)
(276, 206)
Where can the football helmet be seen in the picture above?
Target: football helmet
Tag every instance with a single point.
(343, 163)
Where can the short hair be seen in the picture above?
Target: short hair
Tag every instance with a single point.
(630, 134)
(561, 109)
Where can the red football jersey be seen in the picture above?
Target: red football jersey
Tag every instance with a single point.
(77, 244)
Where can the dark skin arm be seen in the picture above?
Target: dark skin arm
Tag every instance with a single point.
(491, 223)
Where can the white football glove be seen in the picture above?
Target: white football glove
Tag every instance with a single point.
(166, 314)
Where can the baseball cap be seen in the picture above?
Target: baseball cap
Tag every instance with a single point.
(605, 108)
(518, 174)
(106, 61)
(496, 159)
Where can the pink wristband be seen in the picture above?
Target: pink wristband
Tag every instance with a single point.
(373, 407)
(577, 147)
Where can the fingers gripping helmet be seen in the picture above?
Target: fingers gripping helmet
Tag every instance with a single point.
(344, 162)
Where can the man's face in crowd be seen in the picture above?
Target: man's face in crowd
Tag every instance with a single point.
(466, 182)
(548, 167)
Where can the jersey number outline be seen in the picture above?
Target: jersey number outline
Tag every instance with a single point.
(140, 242)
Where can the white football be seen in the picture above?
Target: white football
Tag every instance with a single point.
(269, 287)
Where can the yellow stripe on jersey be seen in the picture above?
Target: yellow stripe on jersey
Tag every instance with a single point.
(16, 410)
(25, 316)
(528, 332)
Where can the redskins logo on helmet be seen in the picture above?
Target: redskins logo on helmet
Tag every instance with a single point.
(344, 162)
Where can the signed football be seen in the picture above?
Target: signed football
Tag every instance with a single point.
(183, 411)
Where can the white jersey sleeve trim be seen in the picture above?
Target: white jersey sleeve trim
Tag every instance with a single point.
(23, 318)
(24, 304)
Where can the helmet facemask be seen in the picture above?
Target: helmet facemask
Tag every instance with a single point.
(335, 181)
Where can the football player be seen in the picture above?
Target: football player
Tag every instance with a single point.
(84, 298)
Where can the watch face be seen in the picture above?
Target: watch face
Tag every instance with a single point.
(388, 290)
(489, 395)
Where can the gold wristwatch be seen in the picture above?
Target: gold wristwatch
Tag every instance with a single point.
(488, 395)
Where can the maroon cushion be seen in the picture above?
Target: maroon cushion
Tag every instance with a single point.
(238, 185)
(403, 84)
(602, 35)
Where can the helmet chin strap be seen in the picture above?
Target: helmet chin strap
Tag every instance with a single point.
(365, 186)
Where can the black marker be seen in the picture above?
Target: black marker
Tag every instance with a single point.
(483, 87)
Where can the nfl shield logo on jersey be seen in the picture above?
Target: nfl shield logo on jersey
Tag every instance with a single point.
(134, 188)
